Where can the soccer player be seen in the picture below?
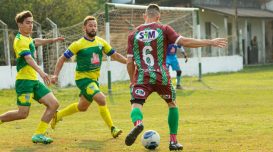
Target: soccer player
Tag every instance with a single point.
(89, 51)
(147, 47)
(27, 85)
(173, 62)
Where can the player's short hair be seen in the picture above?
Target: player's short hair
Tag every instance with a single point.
(88, 18)
(20, 17)
(152, 10)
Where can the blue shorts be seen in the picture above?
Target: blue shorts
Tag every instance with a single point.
(173, 62)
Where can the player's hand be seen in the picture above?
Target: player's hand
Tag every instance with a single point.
(186, 59)
(219, 42)
(45, 77)
(54, 79)
(58, 39)
(131, 85)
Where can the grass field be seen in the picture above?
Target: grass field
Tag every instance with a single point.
(226, 112)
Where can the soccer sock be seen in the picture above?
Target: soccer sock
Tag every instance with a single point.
(42, 127)
(69, 110)
(105, 114)
(136, 116)
(173, 138)
(137, 122)
(178, 80)
(1, 122)
(173, 118)
(178, 77)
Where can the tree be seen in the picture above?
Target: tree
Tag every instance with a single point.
(62, 12)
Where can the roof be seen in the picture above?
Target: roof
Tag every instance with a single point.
(242, 12)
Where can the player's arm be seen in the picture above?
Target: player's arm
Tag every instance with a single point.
(195, 43)
(39, 41)
(130, 58)
(58, 67)
(118, 57)
(30, 61)
(130, 68)
(72, 49)
(184, 53)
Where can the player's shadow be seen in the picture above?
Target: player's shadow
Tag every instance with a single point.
(184, 93)
(93, 145)
(34, 148)
(21, 149)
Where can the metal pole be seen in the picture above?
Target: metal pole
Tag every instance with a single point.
(199, 49)
(237, 28)
(40, 48)
(6, 43)
(107, 36)
(55, 34)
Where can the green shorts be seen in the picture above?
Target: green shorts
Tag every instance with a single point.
(27, 90)
(88, 87)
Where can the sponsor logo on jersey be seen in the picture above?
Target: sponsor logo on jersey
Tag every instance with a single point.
(140, 92)
(95, 59)
(147, 35)
(100, 46)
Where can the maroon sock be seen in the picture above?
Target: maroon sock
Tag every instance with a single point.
(137, 122)
(173, 138)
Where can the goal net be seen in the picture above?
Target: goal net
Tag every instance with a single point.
(114, 25)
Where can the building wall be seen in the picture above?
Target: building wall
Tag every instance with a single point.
(218, 19)
(119, 72)
(269, 5)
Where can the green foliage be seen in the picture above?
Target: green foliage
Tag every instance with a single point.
(62, 12)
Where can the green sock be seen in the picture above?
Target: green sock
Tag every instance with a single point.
(178, 80)
(173, 118)
(136, 114)
(1, 122)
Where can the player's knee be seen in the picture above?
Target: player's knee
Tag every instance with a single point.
(54, 105)
(138, 101)
(82, 108)
(100, 98)
(23, 114)
(171, 104)
(179, 73)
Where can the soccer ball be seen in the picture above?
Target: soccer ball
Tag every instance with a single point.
(150, 139)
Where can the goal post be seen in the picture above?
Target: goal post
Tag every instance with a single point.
(119, 19)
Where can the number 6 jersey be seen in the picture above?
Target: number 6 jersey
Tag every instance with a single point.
(147, 45)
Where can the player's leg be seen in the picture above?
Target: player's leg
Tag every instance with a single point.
(169, 95)
(100, 99)
(75, 107)
(81, 106)
(21, 113)
(139, 94)
(178, 79)
(45, 97)
(136, 117)
(176, 67)
(24, 91)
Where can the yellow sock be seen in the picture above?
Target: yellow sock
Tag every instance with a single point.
(105, 114)
(42, 127)
(1, 122)
(69, 110)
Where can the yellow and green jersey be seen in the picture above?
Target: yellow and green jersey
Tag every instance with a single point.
(89, 55)
(24, 46)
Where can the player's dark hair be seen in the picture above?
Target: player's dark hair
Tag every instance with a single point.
(88, 18)
(20, 17)
(152, 10)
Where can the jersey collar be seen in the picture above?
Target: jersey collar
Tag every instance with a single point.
(89, 39)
